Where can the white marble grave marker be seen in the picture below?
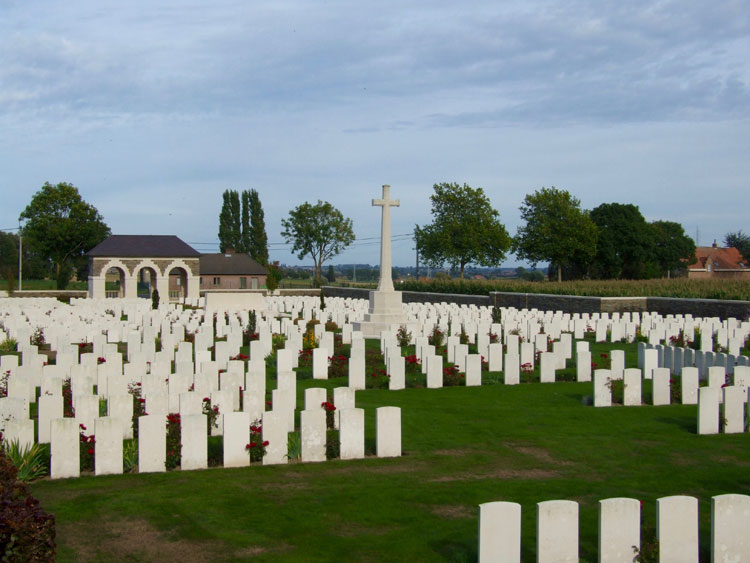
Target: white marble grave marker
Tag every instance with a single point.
(677, 529)
(388, 431)
(499, 532)
(557, 531)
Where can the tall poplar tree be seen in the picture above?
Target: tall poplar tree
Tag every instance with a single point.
(245, 236)
(257, 245)
(230, 232)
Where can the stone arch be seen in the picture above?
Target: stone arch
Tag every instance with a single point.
(189, 277)
(147, 277)
(115, 277)
(178, 283)
(99, 272)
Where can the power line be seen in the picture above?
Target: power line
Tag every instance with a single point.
(356, 240)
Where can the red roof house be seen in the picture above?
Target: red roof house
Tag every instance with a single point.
(715, 262)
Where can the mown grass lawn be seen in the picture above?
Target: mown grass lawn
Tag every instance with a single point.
(462, 447)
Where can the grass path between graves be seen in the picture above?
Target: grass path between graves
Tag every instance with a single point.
(462, 447)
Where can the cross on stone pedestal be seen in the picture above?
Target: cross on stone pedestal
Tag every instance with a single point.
(386, 309)
(386, 275)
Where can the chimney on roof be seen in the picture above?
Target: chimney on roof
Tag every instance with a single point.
(714, 244)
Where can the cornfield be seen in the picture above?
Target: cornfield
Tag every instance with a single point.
(679, 288)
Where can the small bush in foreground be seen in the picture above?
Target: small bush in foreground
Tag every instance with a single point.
(27, 533)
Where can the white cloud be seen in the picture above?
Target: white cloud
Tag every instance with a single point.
(154, 108)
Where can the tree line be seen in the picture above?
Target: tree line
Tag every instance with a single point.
(611, 241)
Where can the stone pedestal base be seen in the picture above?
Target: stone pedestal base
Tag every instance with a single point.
(386, 310)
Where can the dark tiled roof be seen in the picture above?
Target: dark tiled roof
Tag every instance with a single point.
(718, 259)
(230, 264)
(147, 246)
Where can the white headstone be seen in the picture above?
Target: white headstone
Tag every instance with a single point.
(499, 532)
(632, 387)
(352, 433)
(236, 434)
(64, 452)
(152, 444)
(108, 448)
(388, 433)
(276, 433)
(557, 531)
(602, 388)
(730, 522)
(313, 434)
(708, 410)
(194, 441)
(689, 385)
(619, 527)
(677, 529)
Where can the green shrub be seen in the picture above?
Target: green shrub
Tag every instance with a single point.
(8, 345)
(29, 461)
(129, 456)
(27, 533)
(294, 446)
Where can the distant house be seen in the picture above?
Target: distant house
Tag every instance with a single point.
(715, 262)
(231, 271)
(134, 265)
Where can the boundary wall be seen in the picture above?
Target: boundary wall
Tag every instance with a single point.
(722, 308)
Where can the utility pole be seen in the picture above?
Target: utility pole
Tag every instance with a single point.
(20, 256)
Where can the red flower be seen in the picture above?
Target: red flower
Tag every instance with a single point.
(253, 444)
(141, 400)
(265, 443)
(82, 427)
(247, 447)
(91, 451)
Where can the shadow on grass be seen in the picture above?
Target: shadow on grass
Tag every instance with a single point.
(685, 424)
(455, 551)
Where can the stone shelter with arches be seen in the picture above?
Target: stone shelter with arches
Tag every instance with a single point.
(131, 266)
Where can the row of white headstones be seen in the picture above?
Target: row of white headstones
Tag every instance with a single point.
(677, 530)
(168, 392)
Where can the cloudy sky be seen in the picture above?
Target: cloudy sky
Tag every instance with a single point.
(153, 109)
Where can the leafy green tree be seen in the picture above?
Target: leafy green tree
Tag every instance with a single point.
(625, 244)
(34, 266)
(465, 229)
(673, 249)
(275, 274)
(320, 231)
(331, 274)
(230, 231)
(245, 229)
(556, 230)
(62, 227)
(257, 239)
(740, 241)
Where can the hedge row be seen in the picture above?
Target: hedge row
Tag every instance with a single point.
(680, 288)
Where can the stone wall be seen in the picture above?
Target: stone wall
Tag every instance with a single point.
(723, 308)
(410, 296)
(54, 293)
(572, 303)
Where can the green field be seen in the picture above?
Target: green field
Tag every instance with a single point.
(462, 447)
(39, 285)
(734, 289)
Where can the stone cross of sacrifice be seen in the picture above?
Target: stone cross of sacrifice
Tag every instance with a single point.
(386, 273)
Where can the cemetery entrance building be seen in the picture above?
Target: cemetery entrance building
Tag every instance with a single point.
(135, 265)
